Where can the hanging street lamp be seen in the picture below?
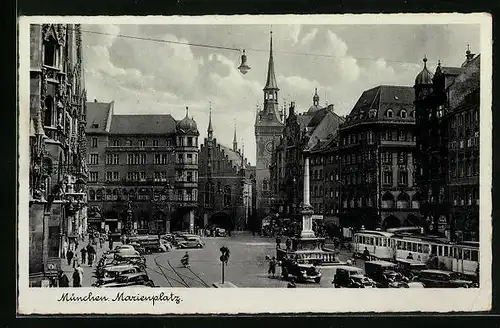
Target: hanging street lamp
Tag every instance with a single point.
(244, 68)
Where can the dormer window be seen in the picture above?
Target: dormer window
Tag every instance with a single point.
(389, 113)
(373, 113)
(412, 114)
(403, 113)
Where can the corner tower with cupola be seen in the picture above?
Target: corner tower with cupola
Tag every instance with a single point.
(186, 171)
(268, 129)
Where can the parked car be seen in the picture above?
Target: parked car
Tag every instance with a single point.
(300, 271)
(139, 279)
(384, 274)
(191, 242)
(110, 273)
(409, 268)
(342, 277)
(443, 279)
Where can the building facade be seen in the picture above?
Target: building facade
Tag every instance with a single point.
(58, 171)
(376, 157)
(447, 102)
(268, 128)
(227, 183)
(143, 171)
(312, 130)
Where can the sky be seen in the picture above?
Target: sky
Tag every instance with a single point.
(150, 77)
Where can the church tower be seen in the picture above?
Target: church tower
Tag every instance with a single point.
(268, 129)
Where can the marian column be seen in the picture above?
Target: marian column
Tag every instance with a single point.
(307, 212)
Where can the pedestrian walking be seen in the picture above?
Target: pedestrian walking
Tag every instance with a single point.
(76, 260)
(110, 243)
(278, 241)
(366, 254)
(69, 256)
(63, 280)
(64, 248)
(83, 252)
(272, 267)
(101, 241)
(91, 254)
(80, 272)
(77, 281)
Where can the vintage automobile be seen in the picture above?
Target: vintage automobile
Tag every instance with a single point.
(343, 274)
(110, 273)
(384, 274)
(191, 242)
(299, 271)
(409, 268)
(443, 279)
(137, 279)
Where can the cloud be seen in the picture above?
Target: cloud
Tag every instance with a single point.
(150, 76)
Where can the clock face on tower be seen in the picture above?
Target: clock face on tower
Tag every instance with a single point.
(269, 147)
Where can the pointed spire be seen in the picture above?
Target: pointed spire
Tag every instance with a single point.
(316, 97)
(38, 122)
(425, 61)
(210, 129)
(187, 111)
(468, 54)
(271, 78)
(438, 68)
(235, 142)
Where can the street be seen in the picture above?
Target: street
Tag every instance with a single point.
(247, 266)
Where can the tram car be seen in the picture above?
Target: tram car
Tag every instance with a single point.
(386, 245)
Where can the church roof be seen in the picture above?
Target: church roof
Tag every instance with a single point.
(327, 127)
(425, 76)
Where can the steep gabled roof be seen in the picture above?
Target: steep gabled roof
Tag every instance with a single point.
(99, 116)
(325, 129)
(143, 124)
(381, 99)
(233, 156)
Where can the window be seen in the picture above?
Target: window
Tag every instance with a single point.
(50, 50)
(116, 176)
(142, 143)
(116, 143)
(164, 158)
(142, 176)
(189, 176)
(412, 114)
(143, 159)
(372, 113)
(190, 141)
(130, 159)
(155, 143)
(116, 159)
(49, 109)
(190, 159)
(94, 159)
(179, 159)
(227, 196)
(389, 113)
(403, 113)
(265, 185)
(386, 157)
(129, 143)
(401, 135)
(109, 159)
(157, 158)
(109, 176)
(94, 176)
(94, 143)
(388, 177)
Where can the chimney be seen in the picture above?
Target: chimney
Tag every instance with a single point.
(331, 108)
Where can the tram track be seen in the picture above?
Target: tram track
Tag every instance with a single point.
(164, 271)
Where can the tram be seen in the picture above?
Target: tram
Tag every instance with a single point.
(389, 245)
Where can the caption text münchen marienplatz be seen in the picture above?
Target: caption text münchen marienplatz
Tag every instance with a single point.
(121, 297)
